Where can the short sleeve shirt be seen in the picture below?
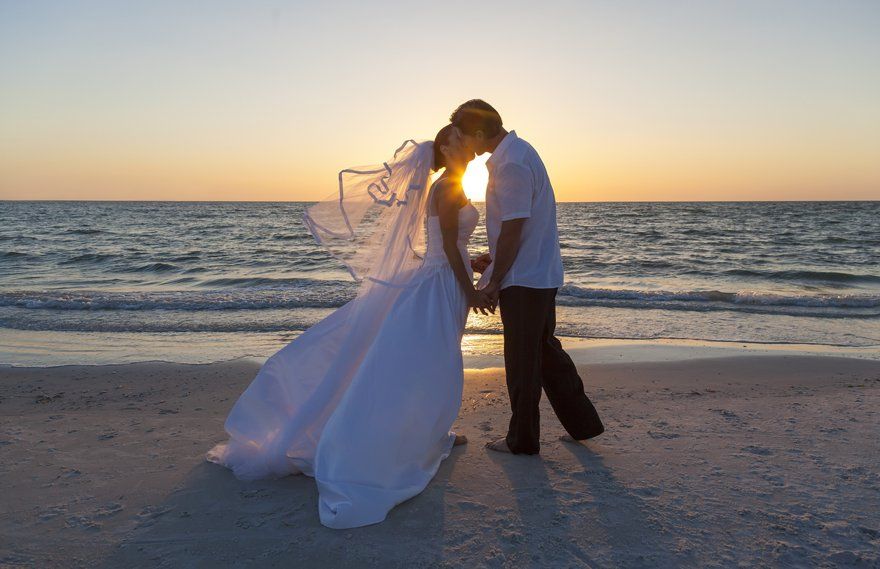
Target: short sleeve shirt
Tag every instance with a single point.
(519, 188)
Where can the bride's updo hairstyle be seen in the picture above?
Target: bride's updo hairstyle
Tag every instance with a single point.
(442, 139)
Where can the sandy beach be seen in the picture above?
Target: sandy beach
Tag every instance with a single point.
(742, 457)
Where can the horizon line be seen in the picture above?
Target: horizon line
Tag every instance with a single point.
(865, 200)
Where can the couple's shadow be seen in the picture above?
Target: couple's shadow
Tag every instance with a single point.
(582, 509)
(569, 505)
(212, 519)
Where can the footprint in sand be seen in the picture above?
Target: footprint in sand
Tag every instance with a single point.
(148, 515)
(51, 513)
(471, 506)
(647, 491)
(656, 435)
(248, 523)
(83, 522)
(69, 473)
(108, 510)
(759, 450)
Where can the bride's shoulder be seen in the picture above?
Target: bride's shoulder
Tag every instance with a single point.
(446, 193)
(447, 190)
(444, 185)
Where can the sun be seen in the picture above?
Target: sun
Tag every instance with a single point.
(475, 179)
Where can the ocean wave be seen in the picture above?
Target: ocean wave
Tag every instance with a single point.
(256, 293)
(273, 283)
(326, 295)
(151, 268)
(84, 231)
(284, 325)
(856, 306)
(191, 256)
(157, 326)
(88, 258)
(803, 275)
(739, 298)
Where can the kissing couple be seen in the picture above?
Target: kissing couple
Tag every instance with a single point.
(364, 400)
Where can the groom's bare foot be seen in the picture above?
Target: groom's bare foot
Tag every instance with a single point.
(499, 446)
(459, 440)
(571, 439)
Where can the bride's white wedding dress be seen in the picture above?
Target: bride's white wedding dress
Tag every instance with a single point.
(365, 405)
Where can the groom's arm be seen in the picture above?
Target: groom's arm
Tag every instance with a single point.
(513, 186)
(505, 251)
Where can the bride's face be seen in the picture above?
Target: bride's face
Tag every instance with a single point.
(475, 144)
(456, 153)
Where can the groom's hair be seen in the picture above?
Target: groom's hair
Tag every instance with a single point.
(475, 115)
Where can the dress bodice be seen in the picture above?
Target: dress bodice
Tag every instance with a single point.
(468, 217)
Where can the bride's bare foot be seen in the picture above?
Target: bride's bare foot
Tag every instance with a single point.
(499, 446)
(459, 440)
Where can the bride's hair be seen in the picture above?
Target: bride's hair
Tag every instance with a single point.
(441, 139)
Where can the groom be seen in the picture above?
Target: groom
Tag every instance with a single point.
(524, 271)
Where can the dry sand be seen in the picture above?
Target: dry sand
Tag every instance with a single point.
(715, 461)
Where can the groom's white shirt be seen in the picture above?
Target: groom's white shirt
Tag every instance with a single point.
(520, 188)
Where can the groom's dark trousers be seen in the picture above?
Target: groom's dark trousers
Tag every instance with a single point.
(534, 358)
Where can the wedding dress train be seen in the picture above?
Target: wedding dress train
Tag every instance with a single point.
(364, 400)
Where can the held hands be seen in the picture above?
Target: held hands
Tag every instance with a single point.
(481, 302)
(493, 291)
(484, 300)
(480, 263)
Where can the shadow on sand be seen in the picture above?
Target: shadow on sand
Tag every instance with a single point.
(587, 513)
(215, 520)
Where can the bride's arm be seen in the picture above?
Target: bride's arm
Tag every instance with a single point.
(448, 204)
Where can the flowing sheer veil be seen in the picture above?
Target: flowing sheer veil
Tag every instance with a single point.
(393, 333)
(375, 223)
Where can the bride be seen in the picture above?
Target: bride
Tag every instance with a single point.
(364, 400)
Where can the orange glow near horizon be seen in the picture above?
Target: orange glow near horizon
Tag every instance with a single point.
(661, 102)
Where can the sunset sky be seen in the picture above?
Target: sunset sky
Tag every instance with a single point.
(665, 100)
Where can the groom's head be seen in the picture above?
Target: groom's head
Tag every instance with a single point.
(478, 124)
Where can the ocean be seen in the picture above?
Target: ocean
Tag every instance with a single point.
(99, 282)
